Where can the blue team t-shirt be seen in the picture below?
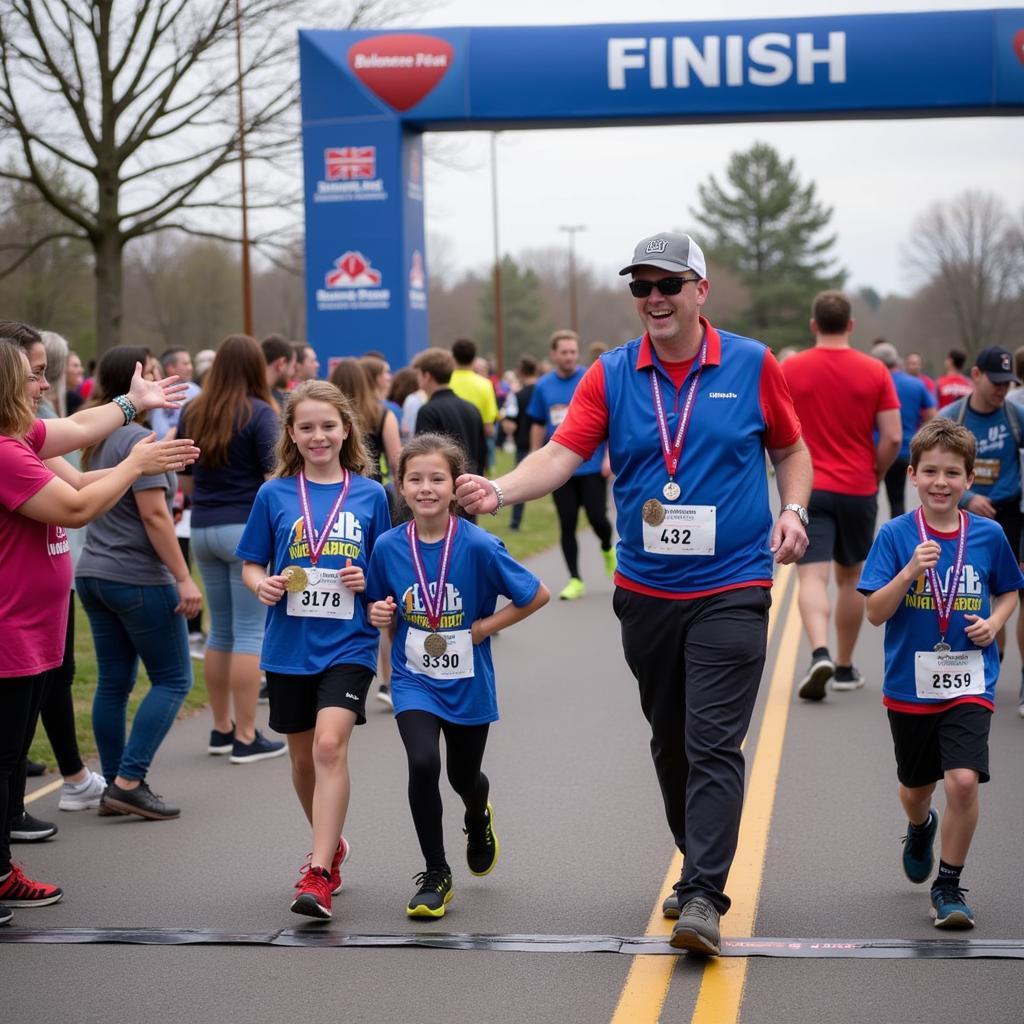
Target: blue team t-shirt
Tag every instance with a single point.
(275, 536)
(549, 404)
(990, 569)
(914, 398)
(997, 463)
(481, 569)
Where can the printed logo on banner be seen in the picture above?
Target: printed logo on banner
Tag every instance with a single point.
(352, 284)
(417, 282)
(350, 174)
(401, 69)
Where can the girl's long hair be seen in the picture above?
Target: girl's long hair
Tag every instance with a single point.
(349, 377)
(114, 377)
(353, 455)
(16, 415)
(237, 376)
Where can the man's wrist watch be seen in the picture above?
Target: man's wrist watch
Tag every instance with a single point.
(499, 495)
(799, 510)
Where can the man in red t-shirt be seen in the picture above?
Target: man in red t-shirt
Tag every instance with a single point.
(954, 384)
(842, 397)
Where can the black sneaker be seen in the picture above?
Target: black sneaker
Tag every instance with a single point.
(221, 742)
(26, 829)
(5, 915)
(697, 929)
(918, 849)
(434, 894)
(847, 677)
(482, 845)
(259, 750)
(141, 801)
(34, 769)
(812, 686)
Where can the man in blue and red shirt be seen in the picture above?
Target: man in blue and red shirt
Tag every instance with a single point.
(687, 412)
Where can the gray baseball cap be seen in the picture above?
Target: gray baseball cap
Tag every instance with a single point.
(668, 252)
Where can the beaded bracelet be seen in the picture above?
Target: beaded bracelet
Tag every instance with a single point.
(124, 403)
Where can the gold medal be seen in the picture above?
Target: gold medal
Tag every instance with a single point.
(435, 645)
(653, 512)
(297, 579)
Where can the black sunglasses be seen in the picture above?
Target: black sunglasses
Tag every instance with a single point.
(667, 286)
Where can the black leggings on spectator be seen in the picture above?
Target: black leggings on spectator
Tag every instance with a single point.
(896, 486)
(464, 748)
(589, 490)
(58, 712)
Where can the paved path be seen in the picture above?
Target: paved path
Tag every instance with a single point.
(584, 851)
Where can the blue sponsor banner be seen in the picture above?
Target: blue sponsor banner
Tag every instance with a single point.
(366, 95)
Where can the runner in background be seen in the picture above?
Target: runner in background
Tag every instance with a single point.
(954, 383)
(315, 524)
(518, 423)
(913, 364)
(444, 575)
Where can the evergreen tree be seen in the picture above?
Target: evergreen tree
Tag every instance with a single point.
(767, 227)
(522, 313)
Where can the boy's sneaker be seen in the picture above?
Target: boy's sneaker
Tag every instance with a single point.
(82, 796)
(26, 829)
(918, 855)
(482, 845)
(847, 677)
(384, 695)
(697, 929)
(949, 909)
(314, 897)
(434, 894)
(573, 590)
(5, 916)
(812, 686)
(340, 856)
(610, 562)
(259, 750)
(141, 801)
(18, 891)
(221, 742)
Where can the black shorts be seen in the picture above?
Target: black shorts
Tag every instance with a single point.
(928, 746)
(296, 700)
(1009, 517)
(842, 527)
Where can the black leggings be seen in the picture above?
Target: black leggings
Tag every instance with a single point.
(58, 711)
(19, 709)
(589, 490)
(464, 746)
(896, 486)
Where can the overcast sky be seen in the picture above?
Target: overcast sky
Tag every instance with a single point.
(877, 175)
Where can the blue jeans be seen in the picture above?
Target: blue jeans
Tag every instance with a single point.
(237, 618)
(128, 623)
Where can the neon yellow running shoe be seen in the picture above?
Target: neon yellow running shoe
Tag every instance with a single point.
(573, 590)
(610, 562)
(434, 894)
(482, 846)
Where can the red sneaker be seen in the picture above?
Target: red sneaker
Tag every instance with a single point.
(340, 856)
(314, 898)
(18, 891)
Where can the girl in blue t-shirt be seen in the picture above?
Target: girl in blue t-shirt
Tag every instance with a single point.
(305, 549)
(444, 575)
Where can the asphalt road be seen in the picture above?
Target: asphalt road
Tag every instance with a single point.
(584, 852)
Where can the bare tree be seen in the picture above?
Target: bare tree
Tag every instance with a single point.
(135, 102)
(972, 249)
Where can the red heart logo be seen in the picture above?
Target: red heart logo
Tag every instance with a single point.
(401, 69)
(1018, 45)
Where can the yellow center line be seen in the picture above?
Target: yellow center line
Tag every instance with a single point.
(43, 790)
(647, 984)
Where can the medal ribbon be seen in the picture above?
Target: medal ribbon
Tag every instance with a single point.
(433, 605)
(944, 603)
(317, 542)
(671, 450)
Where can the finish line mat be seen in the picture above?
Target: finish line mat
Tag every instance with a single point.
(318, 936)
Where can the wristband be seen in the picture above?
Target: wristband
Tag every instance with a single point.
(499, 495)
(124, 403)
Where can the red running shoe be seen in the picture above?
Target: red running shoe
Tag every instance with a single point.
(18, 891)
(340, 856)
(314, 898)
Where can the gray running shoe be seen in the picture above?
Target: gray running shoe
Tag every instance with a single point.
(697, 929)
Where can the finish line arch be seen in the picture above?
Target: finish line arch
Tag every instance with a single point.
(367, 98)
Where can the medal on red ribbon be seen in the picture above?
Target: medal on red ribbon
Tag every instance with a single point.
(944, 602)
(314, 540)
(435, 645)
(672, 448)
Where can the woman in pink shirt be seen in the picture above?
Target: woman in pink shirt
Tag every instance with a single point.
(36, 503)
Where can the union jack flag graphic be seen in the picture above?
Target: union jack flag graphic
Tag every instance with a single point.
(350, 162)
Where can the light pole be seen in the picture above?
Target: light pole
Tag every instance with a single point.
(246, 270)
(571, 230)
(499, 327)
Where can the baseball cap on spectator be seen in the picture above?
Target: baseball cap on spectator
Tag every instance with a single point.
(997, 364)
(668, 251)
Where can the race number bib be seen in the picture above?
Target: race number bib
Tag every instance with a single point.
(325, 597)
(556, 414)
(455, 663)
(986, 471)
(942, 675)
(685, 530)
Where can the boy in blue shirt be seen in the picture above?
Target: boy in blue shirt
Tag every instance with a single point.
(944, 581)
